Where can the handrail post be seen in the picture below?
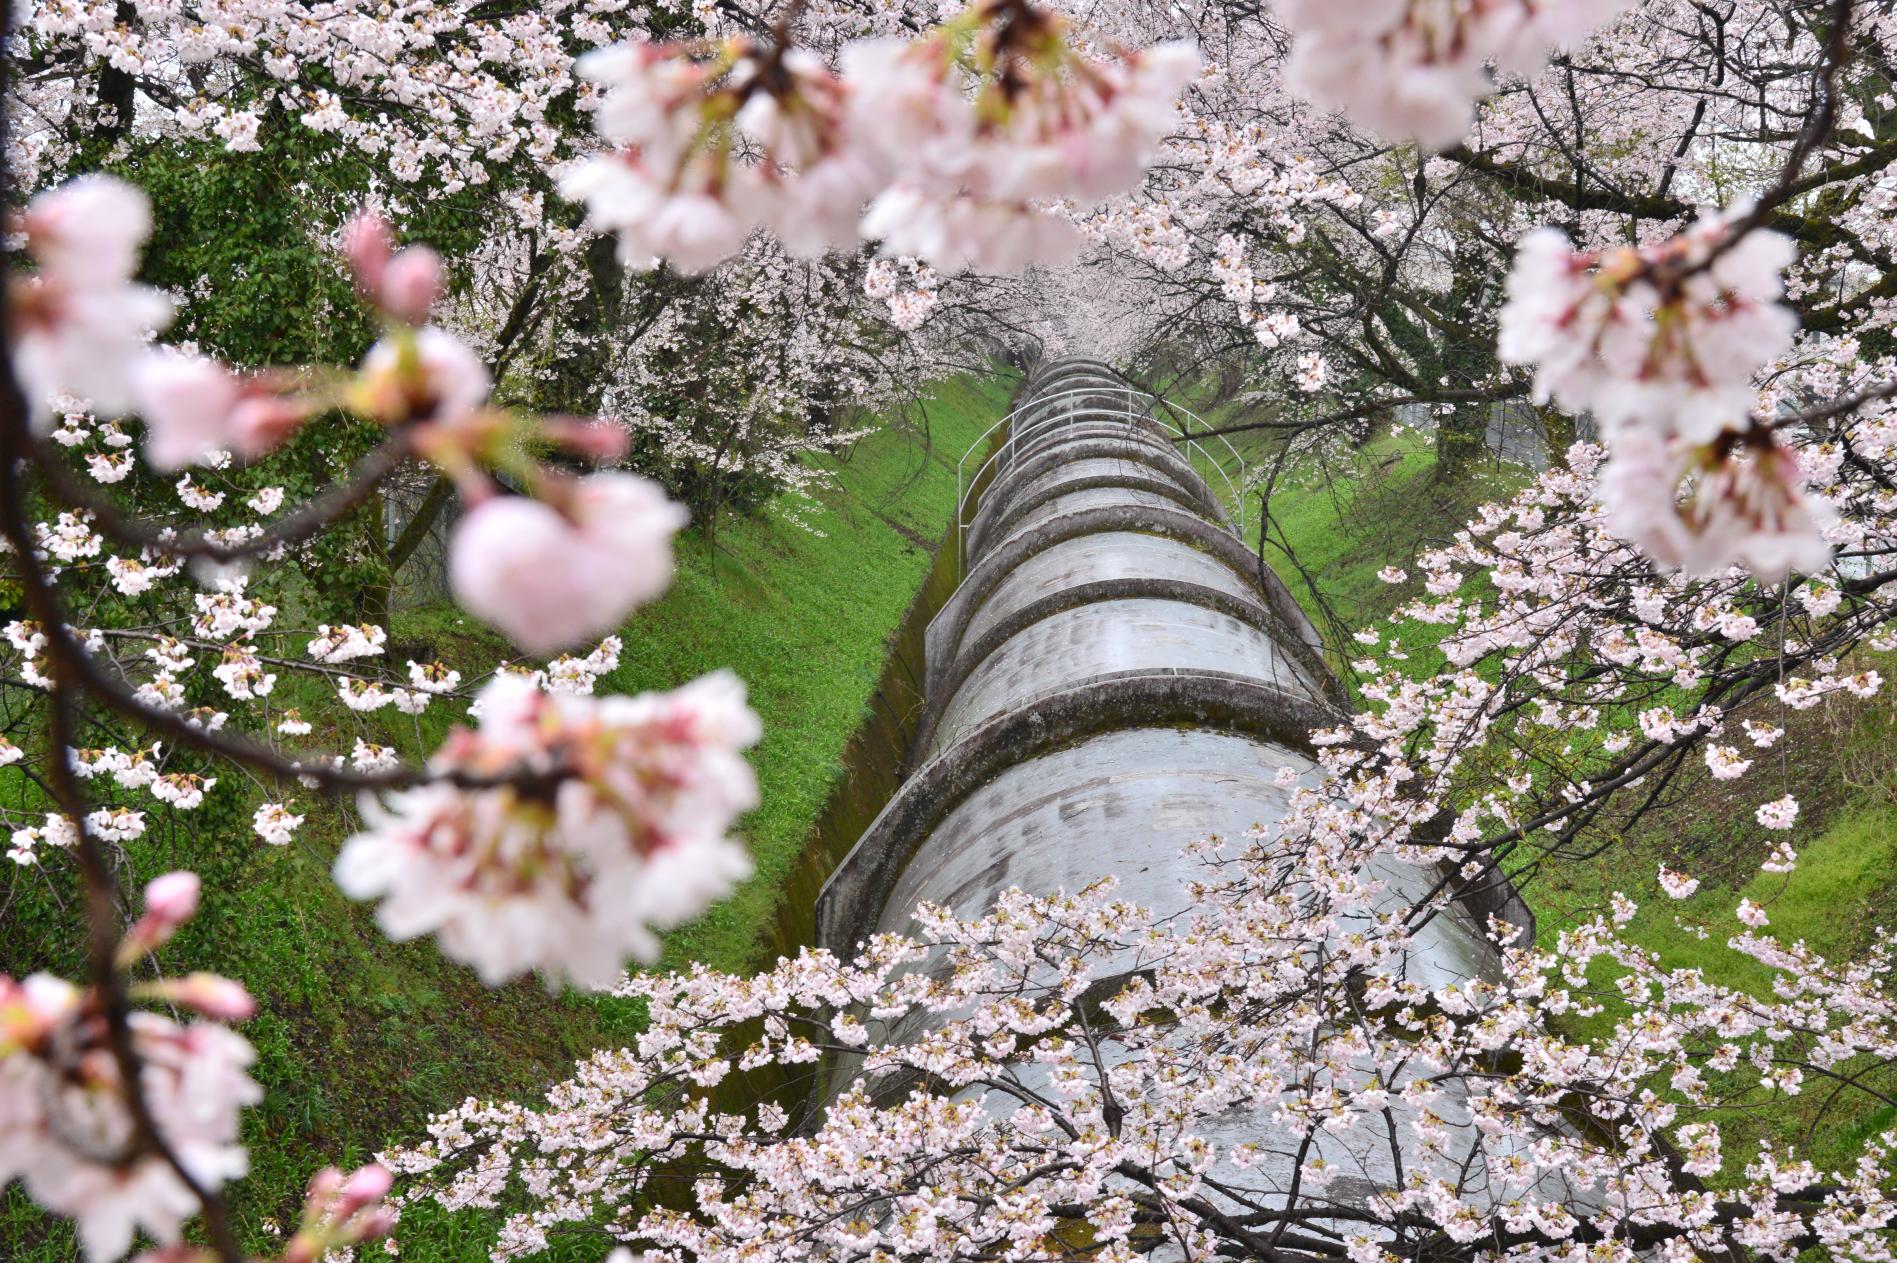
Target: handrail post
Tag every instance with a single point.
(1101, 382)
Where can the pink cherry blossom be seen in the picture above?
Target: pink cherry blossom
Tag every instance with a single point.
(1226, 1079)
(405, 285)
(961, 232)
(186, 403)
(211, 995)
(78, 324)
(339, 1212)
(1781, 813)
(651, 96)
(173, 898)
(368, 243)
(426, 373)
(954, 159)
(1653, 337)
(411, 284)
(574, 884)
(62, 1113)
(695, 222)
(553, 577)
(1724, 762)
(1751, 509)
(1677, 885)
(1414, 68)
(665, 191)
(968, 173)
(89, 231)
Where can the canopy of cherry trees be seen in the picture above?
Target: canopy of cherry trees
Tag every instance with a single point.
(569, 276)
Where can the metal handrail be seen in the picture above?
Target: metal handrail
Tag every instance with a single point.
(1040, 437)
(1007, 454)
(965, 485)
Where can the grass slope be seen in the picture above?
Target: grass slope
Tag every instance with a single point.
(1346, 521)
(1839, 900)
(359, 1039)
(1335, 522)
(1386, 503)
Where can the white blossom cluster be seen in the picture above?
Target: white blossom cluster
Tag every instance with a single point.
(573, 879)
(64, 1120)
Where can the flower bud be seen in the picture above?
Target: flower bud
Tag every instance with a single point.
(173, 897)
(598, 440)
(367, 245)
(260, 422)
(368, 1184)
(411, 285)
(170, 901)
(324, 1186)
(213, 995)
(341, 1211)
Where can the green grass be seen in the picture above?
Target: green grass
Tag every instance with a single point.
(1839, 900)
(1336, 520)
(1335, 524)
(804, 619)
(1351, 519)
(359, 1039)
(1381, 505)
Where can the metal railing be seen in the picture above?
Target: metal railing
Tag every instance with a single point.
(1118, 402)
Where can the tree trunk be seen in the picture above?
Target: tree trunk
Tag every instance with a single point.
(1461, 441)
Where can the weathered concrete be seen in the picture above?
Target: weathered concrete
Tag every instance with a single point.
(1184, 531)
(1112, 640)
(1116, 676)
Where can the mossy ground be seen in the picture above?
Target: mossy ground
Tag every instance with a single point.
(360, 1039)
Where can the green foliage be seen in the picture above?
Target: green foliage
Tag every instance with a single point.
(239, 239)
(241, 242)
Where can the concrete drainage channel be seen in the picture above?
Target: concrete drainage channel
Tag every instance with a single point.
(1114, 676)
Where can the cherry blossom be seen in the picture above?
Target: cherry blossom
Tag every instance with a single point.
(433, 677)
(275, 823)
(571, 886)
(339, 1212)
(346, 644)
(1677, 885)
(66, 1133)
(195, 409)
(1667, 338)
(404, 284)
(1781, 813)
(551, 576)
(1724, 762)
(1413, 68)
(78, 324)
(1662, 346)
(972, 158)
(1062, 1057)
(423, 374)
(953, 146)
